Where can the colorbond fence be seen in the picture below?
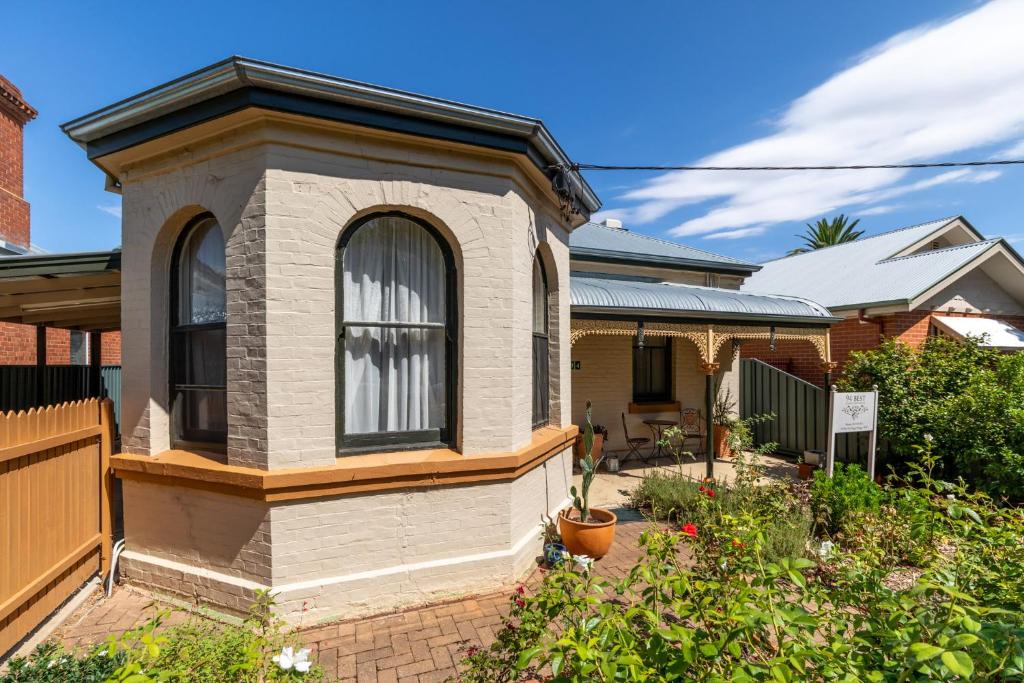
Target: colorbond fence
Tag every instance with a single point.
(55, 522)
(801, 413)
(19, 389)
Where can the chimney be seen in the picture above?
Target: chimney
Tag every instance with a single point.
(612, 223)
(14, 210)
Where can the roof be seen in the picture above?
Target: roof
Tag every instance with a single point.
(239, 82)
(995, 333)
(596, 242)
(12, 100)
(870, 271)
(611, 294)
(74, 291)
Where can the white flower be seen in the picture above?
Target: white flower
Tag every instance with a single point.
(51, 663)
(950, 496)
(583, 563)
(289, 659)
(826, 549)
(929, 438)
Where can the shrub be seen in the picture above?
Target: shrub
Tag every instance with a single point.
(736, 616)
(675, 497)
(197, 651)
(837, 501)
(969, 398)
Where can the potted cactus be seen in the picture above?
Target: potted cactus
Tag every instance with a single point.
(586, 530)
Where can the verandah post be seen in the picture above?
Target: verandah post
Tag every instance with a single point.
(709, 370)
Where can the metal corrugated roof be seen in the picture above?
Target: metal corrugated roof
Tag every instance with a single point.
(864, 272)
(594, 241)
(603, 293)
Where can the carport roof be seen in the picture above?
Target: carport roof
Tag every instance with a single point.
(73, 291)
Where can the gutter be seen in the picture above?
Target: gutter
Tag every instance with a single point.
(630, 259)
(237, 73)
(670, 315)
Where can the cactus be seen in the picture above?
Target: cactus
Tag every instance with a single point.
(581, 501)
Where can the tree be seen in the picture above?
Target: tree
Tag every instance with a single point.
(826, 233)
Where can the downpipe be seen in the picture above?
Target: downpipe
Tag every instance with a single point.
(114, 555)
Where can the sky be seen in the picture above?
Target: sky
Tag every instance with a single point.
(640, 83)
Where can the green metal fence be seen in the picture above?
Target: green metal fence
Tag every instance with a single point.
(801, 413)
(19, 389)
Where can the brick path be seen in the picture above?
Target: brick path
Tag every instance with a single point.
(420, 645)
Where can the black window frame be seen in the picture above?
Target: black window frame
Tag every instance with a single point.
(541, 367)
(354, 444)
(177, 332)
(640, 397)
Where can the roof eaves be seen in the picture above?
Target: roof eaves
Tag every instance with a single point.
(677, 314)
(60, 264)
(235, 73)
(633, 258)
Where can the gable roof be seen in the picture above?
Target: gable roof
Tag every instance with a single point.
(875, 270)
(596, 242)
(630, 295)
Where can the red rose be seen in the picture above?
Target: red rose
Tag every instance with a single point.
(690, 529)
(701, 489)
(711, 493)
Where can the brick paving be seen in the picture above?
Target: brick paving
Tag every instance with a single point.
(421, 645)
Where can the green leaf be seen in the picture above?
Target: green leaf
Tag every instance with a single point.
(958, 662)
(923, 651)
(526, 656)
(962, 640)
(557, 662)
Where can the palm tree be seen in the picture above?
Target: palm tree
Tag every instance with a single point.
(827, 233)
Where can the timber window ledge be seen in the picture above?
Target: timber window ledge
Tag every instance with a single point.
(353, 474)
(636, 408)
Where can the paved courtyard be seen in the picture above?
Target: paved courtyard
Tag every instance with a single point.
(416, 645)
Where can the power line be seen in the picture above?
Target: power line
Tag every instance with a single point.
(852, 167)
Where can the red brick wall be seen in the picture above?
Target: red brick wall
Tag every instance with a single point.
(18, 346)
(799, 359)
(14, 211)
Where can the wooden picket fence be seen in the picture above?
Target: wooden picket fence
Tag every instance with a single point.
(55, 520)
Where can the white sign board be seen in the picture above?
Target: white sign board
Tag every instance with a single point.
(853, 412)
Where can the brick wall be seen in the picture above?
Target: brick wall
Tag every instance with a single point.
(14, 210)
(910, 327)
(18, 346)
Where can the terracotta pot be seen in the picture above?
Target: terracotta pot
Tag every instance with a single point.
(598, 445)
(722, 441)
(805, 470)
(593, 539)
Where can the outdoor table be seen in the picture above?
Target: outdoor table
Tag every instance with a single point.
(657, 428)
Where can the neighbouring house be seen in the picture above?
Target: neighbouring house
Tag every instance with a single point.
(937, 278)
(360, 328)
(20, 344)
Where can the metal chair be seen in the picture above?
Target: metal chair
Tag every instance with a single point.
(634, 443)
(691, 424)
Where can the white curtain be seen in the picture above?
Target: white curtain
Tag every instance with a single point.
(394, 376)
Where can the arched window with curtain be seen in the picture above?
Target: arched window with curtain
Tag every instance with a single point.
(198, 349)
(396, 335)
(541, 375)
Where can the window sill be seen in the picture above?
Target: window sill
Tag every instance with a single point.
(655, 407)
(352, 474)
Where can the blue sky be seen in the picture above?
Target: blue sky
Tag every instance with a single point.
(617, 83)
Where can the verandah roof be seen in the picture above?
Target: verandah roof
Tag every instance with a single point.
(72, 291)
(604, 294)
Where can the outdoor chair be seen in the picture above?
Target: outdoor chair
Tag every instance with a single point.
(634, 442)
(691, 425)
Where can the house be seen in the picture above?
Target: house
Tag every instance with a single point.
(937, 278)
(349, 316)
(20, 343)
(696, 323)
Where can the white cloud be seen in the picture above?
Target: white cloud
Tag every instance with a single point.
(737, 234)
(112, 209)
(878, 210)
(934, 91)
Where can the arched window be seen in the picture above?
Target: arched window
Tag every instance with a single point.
(541, 376)
(396, 335)
(198, 357)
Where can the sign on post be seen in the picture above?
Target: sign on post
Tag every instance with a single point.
(852, 411)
